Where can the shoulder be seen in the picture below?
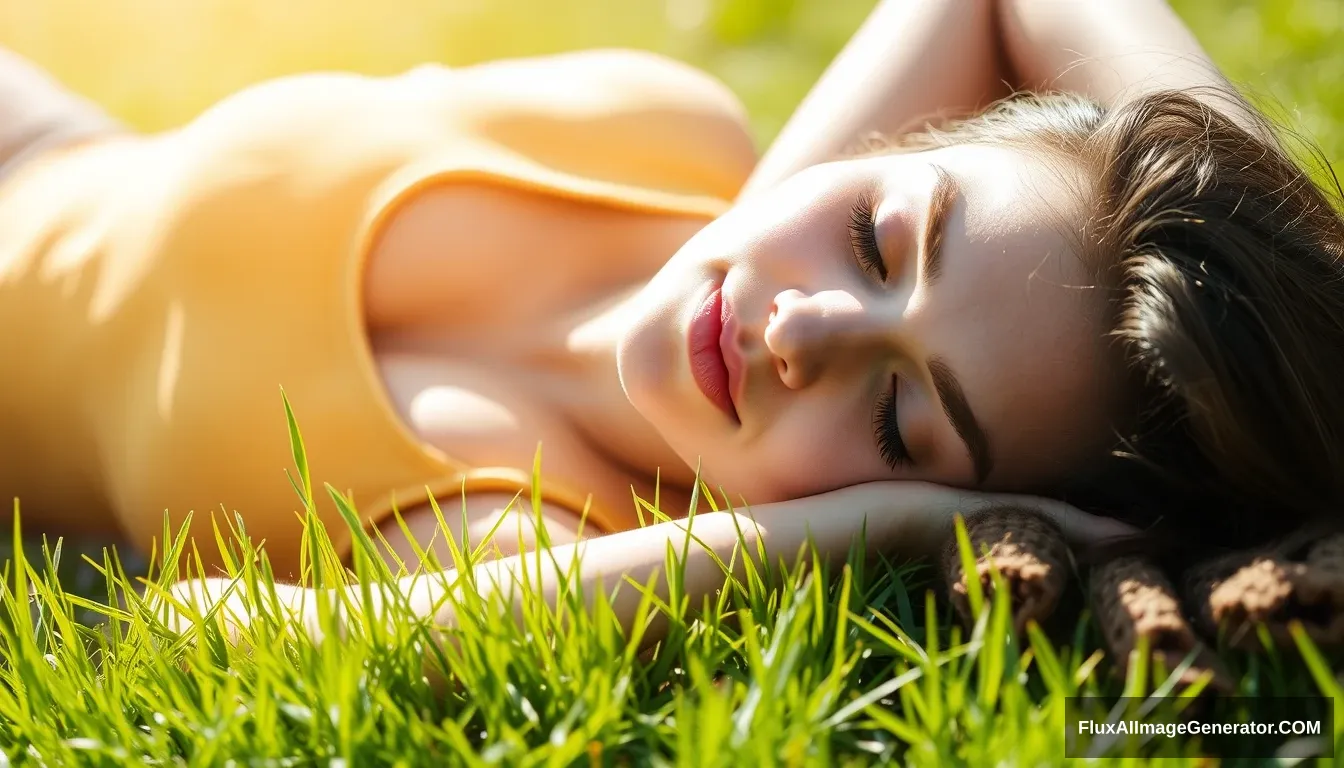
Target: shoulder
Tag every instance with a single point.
(287, 106)
(294, 157)
(654, 118)
(654, 80)
(630, 76)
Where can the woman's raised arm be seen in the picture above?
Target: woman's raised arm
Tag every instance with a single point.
(1111, 51)
(911, 59)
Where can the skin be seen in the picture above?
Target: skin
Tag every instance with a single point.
(1012, 313)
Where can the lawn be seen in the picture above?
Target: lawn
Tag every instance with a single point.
(847, 667)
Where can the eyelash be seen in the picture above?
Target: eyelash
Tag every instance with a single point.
(890, 444)
(863, 236)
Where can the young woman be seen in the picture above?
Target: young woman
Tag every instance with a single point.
(1126, 299)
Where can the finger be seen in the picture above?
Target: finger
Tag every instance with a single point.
(1079, 527)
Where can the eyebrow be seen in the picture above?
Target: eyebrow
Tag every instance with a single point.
(940, 206)
(945, 382)
(963, 419)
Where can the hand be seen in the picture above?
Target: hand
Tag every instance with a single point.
(910, 519)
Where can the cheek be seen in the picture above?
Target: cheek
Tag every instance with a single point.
(789, 233)
(1079, 394)
(1047, 412)
(805, 451)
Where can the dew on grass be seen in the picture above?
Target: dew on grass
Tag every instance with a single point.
(529, 711)
(84, 743)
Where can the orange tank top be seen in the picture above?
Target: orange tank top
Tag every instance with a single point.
(156, 294)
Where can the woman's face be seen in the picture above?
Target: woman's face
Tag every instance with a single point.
(957, 340)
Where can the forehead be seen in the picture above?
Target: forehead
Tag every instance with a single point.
(1012, 190)
(1016, 312)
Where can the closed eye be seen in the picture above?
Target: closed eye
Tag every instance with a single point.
(887, 428)
(863, 236)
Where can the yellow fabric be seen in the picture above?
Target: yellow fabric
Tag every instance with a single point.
(156, 295)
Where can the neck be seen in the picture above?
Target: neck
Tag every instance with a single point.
(584, 387)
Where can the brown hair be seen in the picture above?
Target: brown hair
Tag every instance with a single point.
(1223, 260)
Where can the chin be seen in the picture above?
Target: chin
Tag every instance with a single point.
(648, 365)
(655, 385)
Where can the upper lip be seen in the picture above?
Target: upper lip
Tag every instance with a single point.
(732, 355)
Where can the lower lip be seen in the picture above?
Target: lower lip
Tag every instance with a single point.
(707, 366)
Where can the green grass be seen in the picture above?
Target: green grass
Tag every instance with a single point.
(854, 666)
(786, 665)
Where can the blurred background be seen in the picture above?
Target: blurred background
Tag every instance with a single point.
(157, 63)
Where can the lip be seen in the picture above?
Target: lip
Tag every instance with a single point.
(732, 354)
(703, 346)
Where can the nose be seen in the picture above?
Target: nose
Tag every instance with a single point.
(809, 334)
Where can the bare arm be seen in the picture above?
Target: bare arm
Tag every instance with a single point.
(910, 518)
(911, 59)
(1109, 50)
